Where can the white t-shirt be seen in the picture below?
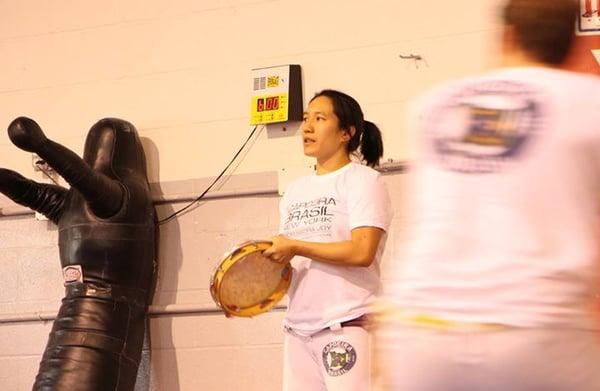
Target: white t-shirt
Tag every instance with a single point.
(325, 208)
(506, 192)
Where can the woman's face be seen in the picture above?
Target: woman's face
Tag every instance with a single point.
(322, 137)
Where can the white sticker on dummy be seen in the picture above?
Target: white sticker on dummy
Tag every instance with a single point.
(72, 274)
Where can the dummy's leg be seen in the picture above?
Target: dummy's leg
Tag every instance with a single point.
(95, 345)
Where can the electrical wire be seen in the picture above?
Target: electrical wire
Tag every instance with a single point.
(180, 211)
(47, 173)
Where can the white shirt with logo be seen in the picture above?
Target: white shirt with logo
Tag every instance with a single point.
(325, 208)
(504, 225)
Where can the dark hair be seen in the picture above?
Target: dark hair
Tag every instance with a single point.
(544, 28)
(349, 114)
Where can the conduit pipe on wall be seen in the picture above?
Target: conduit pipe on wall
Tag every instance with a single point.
(14, 211)
(154, 312)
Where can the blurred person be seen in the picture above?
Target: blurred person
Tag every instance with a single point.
(333, 229)
(495, 290)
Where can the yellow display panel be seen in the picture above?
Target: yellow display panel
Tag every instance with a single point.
(271, 108)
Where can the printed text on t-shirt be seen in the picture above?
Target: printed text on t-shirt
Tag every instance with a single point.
(306, 218)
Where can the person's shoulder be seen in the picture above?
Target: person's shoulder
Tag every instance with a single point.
(364, 183)
(549, 77)
(575, 87)
(360, 171)
(584, 81)
(508, 74)
(573, 75)
(505, 81)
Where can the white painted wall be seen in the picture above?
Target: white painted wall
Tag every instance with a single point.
(180, 70)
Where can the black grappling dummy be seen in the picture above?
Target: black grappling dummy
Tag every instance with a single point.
(107, 234)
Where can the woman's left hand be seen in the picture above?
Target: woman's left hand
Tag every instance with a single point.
(282, 249)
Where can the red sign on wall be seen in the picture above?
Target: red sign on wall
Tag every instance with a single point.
(585, 56)
(589, 17)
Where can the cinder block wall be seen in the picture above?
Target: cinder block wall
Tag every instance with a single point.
(199, 350)
(180, 71)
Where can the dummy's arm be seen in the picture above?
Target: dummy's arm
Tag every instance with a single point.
(44, 198)
(104, 195)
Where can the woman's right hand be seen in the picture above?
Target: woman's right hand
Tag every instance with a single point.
(282, 249)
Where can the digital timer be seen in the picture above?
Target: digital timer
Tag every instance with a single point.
(267, 104)
(276, 95)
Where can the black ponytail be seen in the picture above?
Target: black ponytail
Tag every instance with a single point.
(367, 135)
(371, 144)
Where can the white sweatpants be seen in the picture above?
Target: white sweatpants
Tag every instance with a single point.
(331, 360)
(419, 359)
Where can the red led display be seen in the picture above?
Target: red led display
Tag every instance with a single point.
(267, 104)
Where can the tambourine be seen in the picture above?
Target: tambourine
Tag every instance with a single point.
(246, 283)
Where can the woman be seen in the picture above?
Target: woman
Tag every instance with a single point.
(333, 227)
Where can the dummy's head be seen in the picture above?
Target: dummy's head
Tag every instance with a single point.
(539, 30)
(113, 147)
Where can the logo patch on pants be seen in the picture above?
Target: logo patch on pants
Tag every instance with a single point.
(338, 357)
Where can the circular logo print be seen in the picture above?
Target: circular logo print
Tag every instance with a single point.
(338, 357)
(485, 126)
